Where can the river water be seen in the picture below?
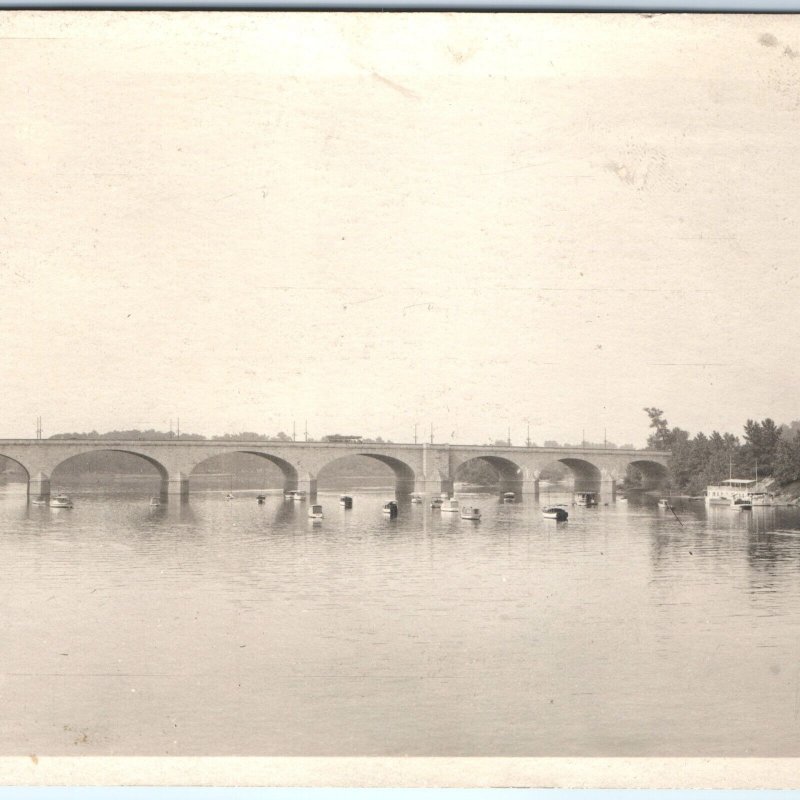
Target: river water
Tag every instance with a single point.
(219, 627)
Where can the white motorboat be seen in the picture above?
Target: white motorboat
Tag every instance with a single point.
(451, 505)
(586, 498)
(60, 501)
(436, 502)
(663, 502)
(315, 512)
(468, 512)
(295, 495)
(39, 501)
(509, 497)
(416, 498)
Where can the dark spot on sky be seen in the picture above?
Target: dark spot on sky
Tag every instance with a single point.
(768, 40)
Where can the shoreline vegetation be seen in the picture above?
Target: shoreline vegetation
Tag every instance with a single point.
(767, 452)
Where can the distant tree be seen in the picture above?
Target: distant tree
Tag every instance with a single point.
(761, 445)
(660, 438)
(244, 436)
(787, 459)
(283, 437)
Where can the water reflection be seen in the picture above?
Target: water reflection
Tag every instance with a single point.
(214, 627)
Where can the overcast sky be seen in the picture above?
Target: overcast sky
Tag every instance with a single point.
(371, 221)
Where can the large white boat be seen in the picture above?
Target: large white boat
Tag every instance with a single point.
(469, 512)
(729, 491)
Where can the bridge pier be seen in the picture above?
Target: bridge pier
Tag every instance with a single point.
(435, 485)
(39, 485)
(177, 485)
(308, 485)
(608, 490)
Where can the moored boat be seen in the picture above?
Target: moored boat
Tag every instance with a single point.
(451, 505)
(742, 504)
(663, 502)
(346, 501)
(294, 495)
(468, 512)
(315, 512)
(39, 501)
(261, 498)
(586, 498)
(60, 501)
(509, 497)
(416, 498)
(558, 513)
(390, 509)
(436, 502)
(155, 501)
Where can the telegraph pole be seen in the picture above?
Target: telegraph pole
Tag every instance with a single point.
(294, 433)
(509, 436)
(415, 433)
(528, 440)
(306, 431)
(431, 433)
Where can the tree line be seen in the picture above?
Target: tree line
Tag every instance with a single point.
(765, 450)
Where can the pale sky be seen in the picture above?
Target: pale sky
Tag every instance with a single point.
(369, 221)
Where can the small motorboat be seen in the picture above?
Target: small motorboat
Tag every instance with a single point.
(436, 502)
(298, 496)
(261, 499)
(509, 497)
(451, 505)
(155, 501)
(468, 512)
(39, 501)
(742, 504)
(315, 512)
(416, 498)
(345, 501)
(390, 509)
(586, 499)
(663, 503)
(558, 513)
(60, 501)
(230, 496)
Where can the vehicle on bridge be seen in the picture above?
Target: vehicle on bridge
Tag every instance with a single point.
(347, 439)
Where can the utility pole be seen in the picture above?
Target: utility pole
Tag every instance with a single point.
(528, 439)
(306, 431)
(415, 433)
(294, 433)
(605, 439)
(431, 433)
(38, 427)
(509, 436)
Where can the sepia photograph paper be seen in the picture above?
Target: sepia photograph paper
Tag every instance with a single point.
(399, 399)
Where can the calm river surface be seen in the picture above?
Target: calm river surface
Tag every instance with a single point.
(232, 628)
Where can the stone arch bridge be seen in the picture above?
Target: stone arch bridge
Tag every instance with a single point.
(423, 468)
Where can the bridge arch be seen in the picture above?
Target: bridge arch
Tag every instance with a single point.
(404, 475)
(509, 473)
(652, 474)
(161, 470)
(291, 476)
